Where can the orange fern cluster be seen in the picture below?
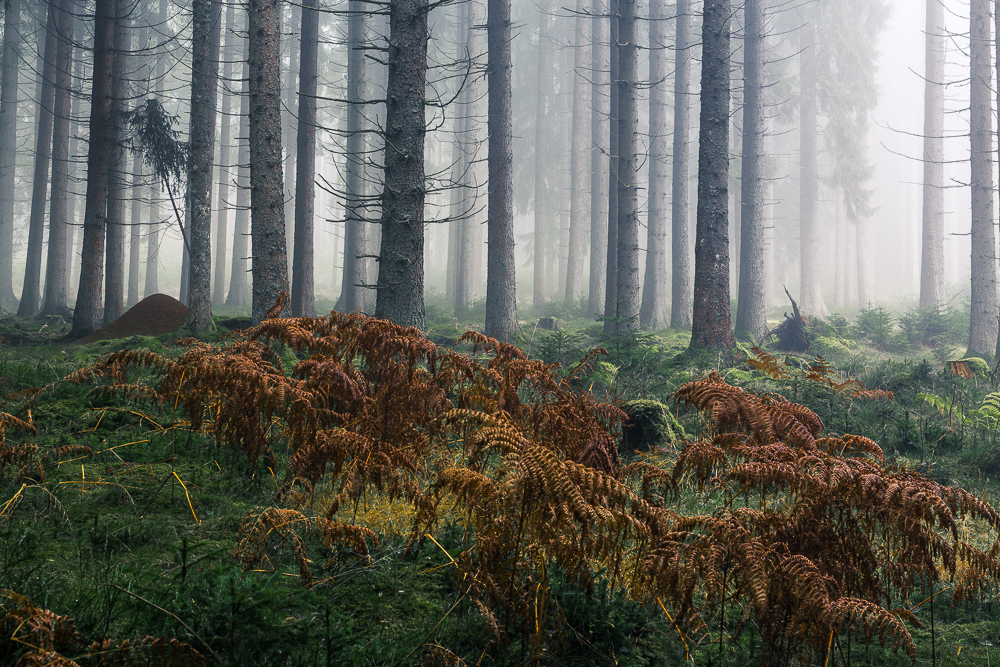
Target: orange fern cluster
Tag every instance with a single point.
(827, 536)
(41, 638)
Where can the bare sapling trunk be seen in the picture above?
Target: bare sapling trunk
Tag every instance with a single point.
(627, 312)
(680, 272)
(599, 151)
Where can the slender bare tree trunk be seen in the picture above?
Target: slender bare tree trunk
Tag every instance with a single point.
(151, 284)
(611, 266)
(56, 260)
(400, 296)
(577, 250)
(270, 261)
(750, 317)
(465, 274)
(303, 279)
(354, 293)
(75, 234)
(31, 290)
(681, 287)
(932, 246)
(809, 233)
(653, 313)
(8, 148)
(501, 305)
(114, 269)
(87, 314)
(459, 166)
(288, 129)
(983, 321)
(225, 161)
(135, 225)
(628, 170)
(866, 272)
(841, 263)
(599, 164)
(207, 26)
(237, 296)
(711, 324)
(543, 84)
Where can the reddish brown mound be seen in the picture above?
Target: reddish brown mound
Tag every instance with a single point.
(156, 314)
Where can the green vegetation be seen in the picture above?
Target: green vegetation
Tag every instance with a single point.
(178, 492)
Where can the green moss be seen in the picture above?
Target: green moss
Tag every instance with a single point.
(978, 366)
(830, 348)
(649, 423)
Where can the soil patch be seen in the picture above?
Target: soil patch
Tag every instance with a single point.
(155, 315)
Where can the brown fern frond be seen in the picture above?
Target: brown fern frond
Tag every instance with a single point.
(145, 652)
(767, 364)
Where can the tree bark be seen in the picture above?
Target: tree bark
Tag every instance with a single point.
(8, 148)
(354, 293)
(577, 250)
(270, 261)
(303, 279)
(114, 269)
(237, 296)
(543, 83)
(611, 264)
(501, 305)
(983, 320)
(653, 312)
(711, 326)
(464, 186)
(55, 302)
(225, 161)
(811, 290)
(87, 314)
(599, 152)
(932, 242)
(31, 290)
(627, 312)
(400, 296)
(751, 322)
(680, 273)
(207, 25)
(151, 284)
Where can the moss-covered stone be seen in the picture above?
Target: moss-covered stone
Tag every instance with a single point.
(830, 348)
(648, 424)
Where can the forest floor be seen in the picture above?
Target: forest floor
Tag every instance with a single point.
(126, 519)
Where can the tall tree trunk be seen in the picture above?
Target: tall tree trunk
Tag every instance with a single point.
(225, 161)
(237, 296)
(31, 291)
(983, 321)
(866, 272)
(459, 165)
(751, 322)
(114, 269)
(354, 293)
(932, 243)
(628, 170)
(841, 263)
(543, 83)
(8, 147)
(270, 261)
(611, 265)
(465, 274)
(711, 327)
(501, 305)
(599, 164)
(207, 25)
(303, 280)
(75, 233)
(577, 250)
(288, 129)
(811, 291)
(151, 285)
(653, 313)
(135, 225)
(680, 273)
(56, 267)
(87, 314)
(400, 296)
